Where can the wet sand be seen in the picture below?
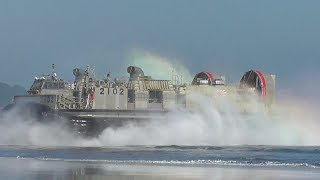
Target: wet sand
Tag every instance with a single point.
(12, 168)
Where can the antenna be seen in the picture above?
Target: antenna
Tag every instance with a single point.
(93, 72)
(53, 75)
(53, 68)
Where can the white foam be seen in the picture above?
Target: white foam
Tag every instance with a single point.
(188, 162)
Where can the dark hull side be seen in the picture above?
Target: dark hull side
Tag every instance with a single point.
(93, 122)
(86, 122)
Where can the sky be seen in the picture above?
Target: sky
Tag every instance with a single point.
(222, 36)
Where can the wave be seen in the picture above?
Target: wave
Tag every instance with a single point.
(187, 162)
(247, 148)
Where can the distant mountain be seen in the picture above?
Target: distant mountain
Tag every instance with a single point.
(7, 92)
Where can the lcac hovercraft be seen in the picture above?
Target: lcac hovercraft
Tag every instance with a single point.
(89, 105)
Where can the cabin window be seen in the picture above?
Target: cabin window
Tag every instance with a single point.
(61, 85)
(54, 85)
(47, 85)
(155, 96)
(36, 85)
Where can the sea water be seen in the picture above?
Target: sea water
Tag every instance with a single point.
(159, 162)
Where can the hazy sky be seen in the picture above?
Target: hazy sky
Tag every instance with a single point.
(230, 37)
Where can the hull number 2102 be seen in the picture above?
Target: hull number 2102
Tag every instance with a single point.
(112, 91)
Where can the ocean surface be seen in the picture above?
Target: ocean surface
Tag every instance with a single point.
(160, 162)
